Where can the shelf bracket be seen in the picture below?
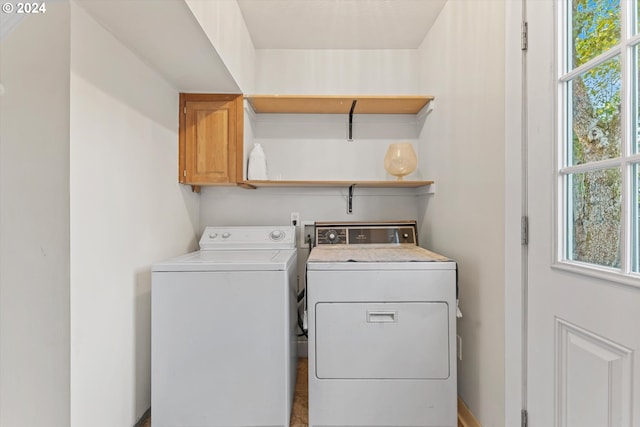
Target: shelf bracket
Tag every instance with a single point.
(353, 107)
(350, 199)
(246, 185)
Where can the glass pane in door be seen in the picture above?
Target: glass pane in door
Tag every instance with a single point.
(635, 219)
(635, 11)
(635, 99)
(594, 117)
(593, 220)
(596, 28)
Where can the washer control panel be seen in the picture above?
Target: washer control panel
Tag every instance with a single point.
(248, 237)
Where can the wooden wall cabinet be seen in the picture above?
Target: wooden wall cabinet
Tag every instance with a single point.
(210, 139)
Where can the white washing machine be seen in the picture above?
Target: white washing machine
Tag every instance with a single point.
(223, 331)
(381, 324)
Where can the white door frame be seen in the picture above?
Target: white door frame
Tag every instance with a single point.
(515, 208)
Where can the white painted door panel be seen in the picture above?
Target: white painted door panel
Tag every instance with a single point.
(583, 334)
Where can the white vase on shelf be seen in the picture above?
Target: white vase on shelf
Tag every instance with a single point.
(257, 168)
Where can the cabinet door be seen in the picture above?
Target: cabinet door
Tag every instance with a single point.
(210, 139)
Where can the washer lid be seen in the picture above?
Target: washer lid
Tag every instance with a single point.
(231, 260)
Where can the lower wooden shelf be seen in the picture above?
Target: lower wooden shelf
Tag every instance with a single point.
(364, 184)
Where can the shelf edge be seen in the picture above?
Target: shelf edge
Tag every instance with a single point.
(364, 184)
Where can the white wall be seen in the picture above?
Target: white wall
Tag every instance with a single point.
(336, 72)
(462, 64)
(34, 221)
(315, 146)
(273, 206)
(223, 23)
(127, 211)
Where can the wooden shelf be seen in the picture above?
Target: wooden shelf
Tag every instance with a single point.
(339, 104)
(364, 184)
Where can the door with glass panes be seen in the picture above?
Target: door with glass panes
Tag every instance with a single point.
(583, 346)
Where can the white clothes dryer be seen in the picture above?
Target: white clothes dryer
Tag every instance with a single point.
(223, 330)
(382, 328)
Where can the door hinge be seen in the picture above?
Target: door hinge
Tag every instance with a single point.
(524, 36)
(184, 173)
(184, 110)
(524, 230)
(524, 418)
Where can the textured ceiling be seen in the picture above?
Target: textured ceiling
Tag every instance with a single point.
(339, 24)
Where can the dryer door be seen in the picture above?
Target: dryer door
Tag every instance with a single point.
(377, 340)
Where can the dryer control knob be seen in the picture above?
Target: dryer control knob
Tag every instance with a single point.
(331, 236)
(213, 235)
(226, 235)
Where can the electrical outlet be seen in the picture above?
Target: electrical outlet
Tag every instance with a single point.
(308, 233)
(459, 346)
(295, 218)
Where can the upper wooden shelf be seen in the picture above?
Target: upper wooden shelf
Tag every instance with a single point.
(339, 104)
(365, 184)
